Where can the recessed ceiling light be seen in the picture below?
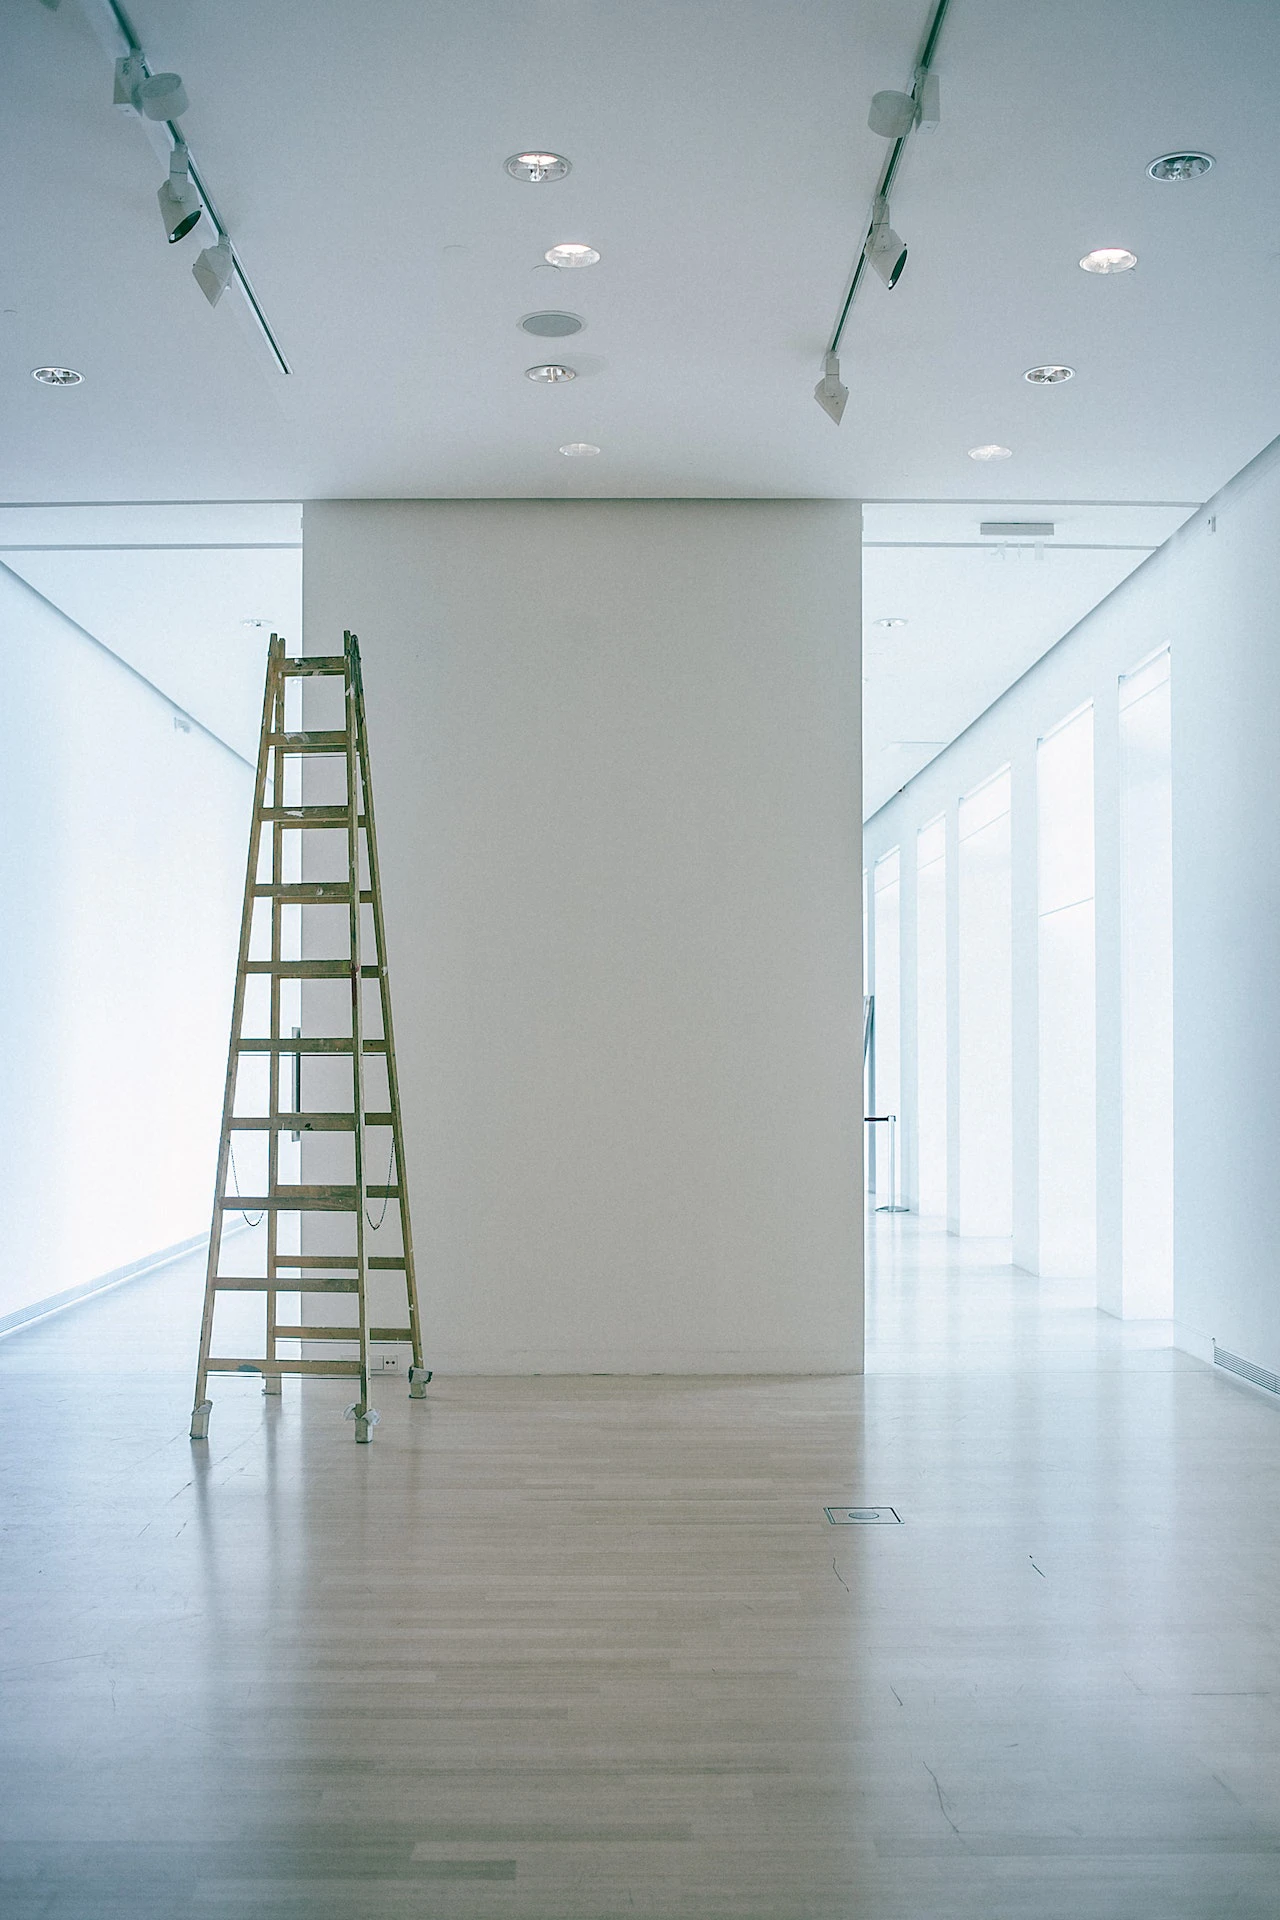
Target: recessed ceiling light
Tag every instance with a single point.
(571, 253)
(576, 447)
(552, 326)
(537, 167)
(548, 376)
(1050, 376)
(890, 620)
(1109, 260)
(57, 376)
(1180, 166)
(991, 452)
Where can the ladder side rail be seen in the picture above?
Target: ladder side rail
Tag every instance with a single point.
(200, 1417)
(272, 1381)
(384, 992)
(355, 917)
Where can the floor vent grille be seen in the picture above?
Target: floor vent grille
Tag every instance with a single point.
(1260, 1376)
(863, 1516)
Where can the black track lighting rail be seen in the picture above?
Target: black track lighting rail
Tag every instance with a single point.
(889, 171)
(134, 46)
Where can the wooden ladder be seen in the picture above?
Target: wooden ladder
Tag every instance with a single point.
(285, 838)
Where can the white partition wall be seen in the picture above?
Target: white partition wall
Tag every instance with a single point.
(887, 925)
(1067, 1078)
(931, 1017)
(986, 1010)
(615, 748)
(1146, 790)
(122, 875)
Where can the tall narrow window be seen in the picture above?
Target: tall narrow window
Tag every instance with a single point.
(888, 1020)
(986, 1011)
(1068, 1019)
(931, 1017)
(1146, 949)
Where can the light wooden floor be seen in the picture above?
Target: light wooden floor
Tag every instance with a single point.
(567, 1649)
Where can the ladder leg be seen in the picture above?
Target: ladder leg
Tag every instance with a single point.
(419, 1373)
(202, 1404)
(357, 799)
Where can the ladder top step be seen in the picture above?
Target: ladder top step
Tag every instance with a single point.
(313, 663)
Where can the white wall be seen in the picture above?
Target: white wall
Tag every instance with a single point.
(615, 755)
(1212, 595)
(985, 1044)
(121, 870)
(931, 1077)
(1146, 923)
(1068, 1038)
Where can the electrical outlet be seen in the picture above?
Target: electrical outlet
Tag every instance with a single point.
(390, 1360)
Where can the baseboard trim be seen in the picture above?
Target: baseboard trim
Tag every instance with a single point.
(1190, 1340)
(751, 1362)
(40, 1309)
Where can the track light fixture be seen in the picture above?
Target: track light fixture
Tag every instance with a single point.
(892, 115)
(829, 393)
(213, 268)
(185, 197)
(180, 202)
(162, 97)
(157, 96)
(885, 250)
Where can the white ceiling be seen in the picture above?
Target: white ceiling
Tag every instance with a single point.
(723, 166)
(979, 611)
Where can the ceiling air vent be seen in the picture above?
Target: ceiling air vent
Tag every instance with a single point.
(1017, 529)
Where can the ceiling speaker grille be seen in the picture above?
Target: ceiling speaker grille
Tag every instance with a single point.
(552, 326)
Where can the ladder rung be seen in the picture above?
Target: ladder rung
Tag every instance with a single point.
(305, 1122)
(338, 1369)
(305, 663)
(342, 1333)
(310, 969)
(309, 742)
(313, 816)
(317, 1333)
(338, 1043)
(344, 1262)
(235, 1283)
(305, 1200)
(315, 893)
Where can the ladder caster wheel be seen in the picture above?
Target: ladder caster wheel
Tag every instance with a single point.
(365, 1422)
(200, 1420)
(418, 1378)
